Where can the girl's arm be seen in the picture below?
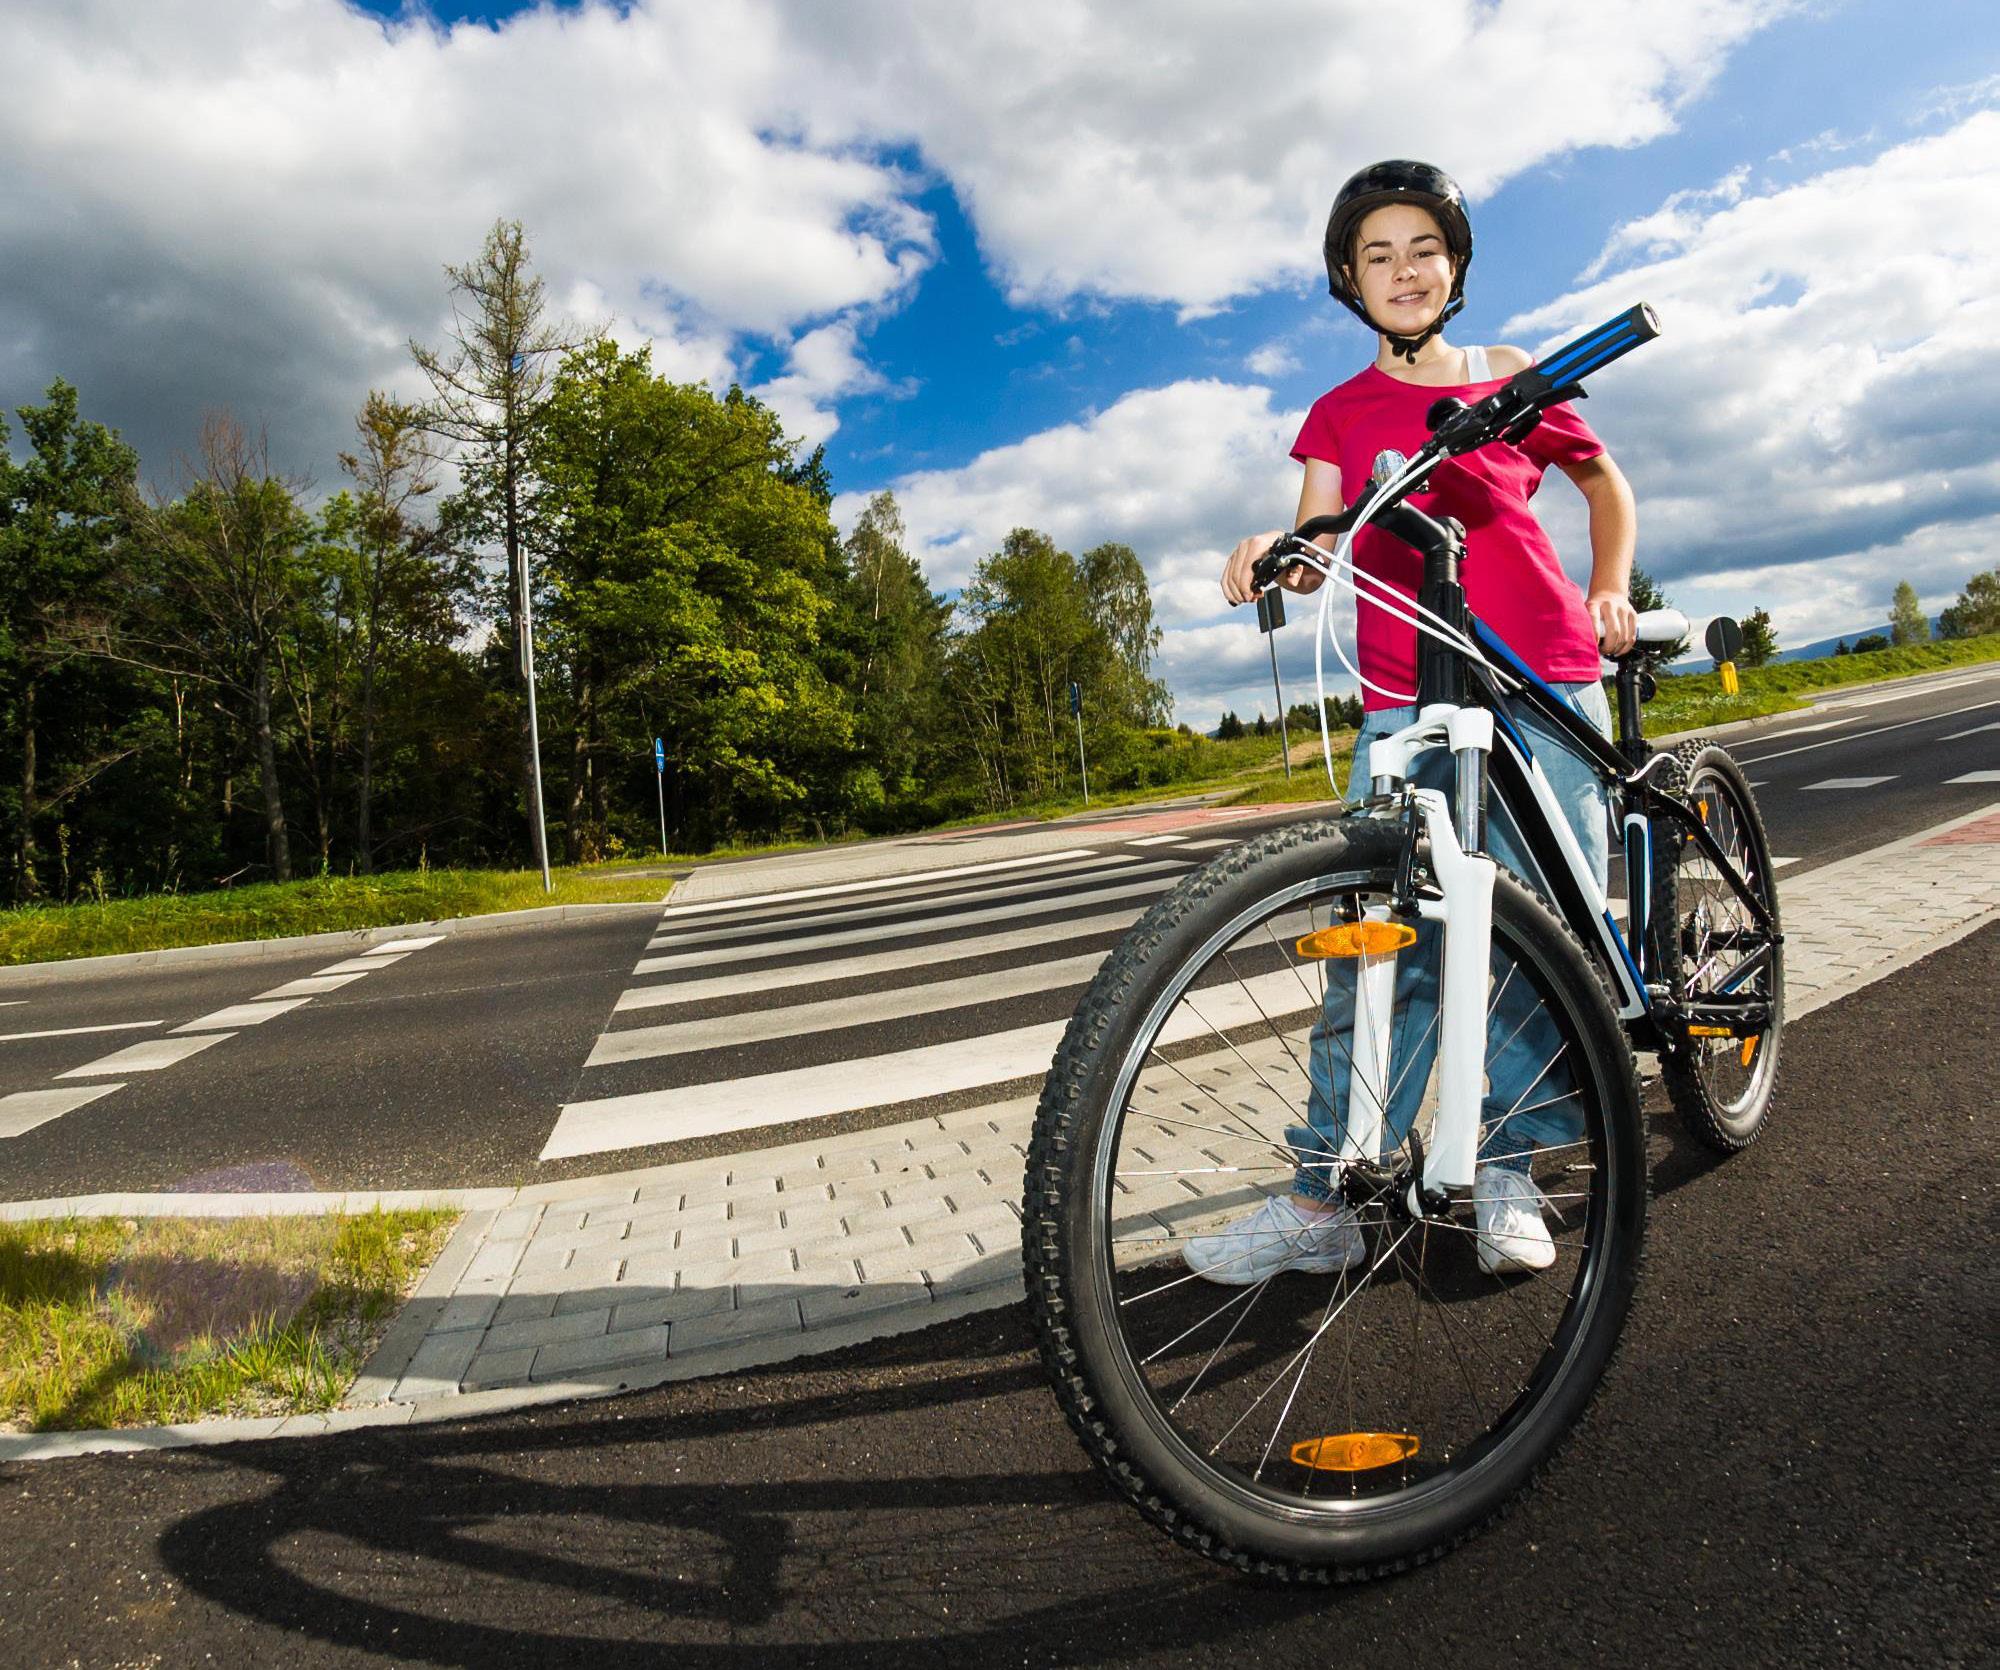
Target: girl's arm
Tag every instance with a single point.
(1614, 530)
(1319, 496)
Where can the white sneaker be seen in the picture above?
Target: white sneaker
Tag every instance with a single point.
(1278, 1236)
(1507, 1207)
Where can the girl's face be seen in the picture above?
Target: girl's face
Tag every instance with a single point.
(1402, 267)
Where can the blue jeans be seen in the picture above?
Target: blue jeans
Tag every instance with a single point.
(1525, 1101)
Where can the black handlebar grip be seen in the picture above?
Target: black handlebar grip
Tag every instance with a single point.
(1596, 349)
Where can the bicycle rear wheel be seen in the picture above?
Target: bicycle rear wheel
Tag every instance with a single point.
(1720, 1086)
(1317, 1426)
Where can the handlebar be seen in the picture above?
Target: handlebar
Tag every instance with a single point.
(1509, 413)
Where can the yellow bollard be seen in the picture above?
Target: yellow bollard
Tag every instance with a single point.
(1730, 686)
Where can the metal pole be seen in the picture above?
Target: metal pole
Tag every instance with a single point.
(1079, 760)
(1284, 735)
(660, 786)
(534, 722)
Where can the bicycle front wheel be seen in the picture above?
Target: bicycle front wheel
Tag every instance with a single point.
(1312, 1422)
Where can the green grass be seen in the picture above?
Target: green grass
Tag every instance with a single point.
(1694, 701)
(126, 1322)
(321, 904)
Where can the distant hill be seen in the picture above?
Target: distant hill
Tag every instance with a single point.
(1805, 652)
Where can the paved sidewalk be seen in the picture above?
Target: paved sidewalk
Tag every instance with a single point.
(652, 1275)
(607, 1283)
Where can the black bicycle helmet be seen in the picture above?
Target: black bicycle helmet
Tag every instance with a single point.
(1398, 182)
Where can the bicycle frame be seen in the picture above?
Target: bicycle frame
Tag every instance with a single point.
(1464, 707)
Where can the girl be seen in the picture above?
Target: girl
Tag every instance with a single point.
(1397, 246)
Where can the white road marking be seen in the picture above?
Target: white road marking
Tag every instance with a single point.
(873, 932)
(655, 1116)
(1154, 840)
(676, 992)
(643, 1043)
(401, 945)
(1975, 777)
(1835, 741)
(313, 986)
(12, 1003)
(76, 1031)
(1975, 731)
(362, 965)
(148, 1057)
(26, 1109)
(1209, 846)
(713, 905)
(858, 912)
(242, 1014)
(1780, 863)
(1851, 782)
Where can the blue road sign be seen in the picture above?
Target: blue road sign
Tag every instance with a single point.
(659, 755)
(1076, 698)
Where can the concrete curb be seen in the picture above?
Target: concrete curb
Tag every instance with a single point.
(58, 1446)
(302, 1204)
(74, 968)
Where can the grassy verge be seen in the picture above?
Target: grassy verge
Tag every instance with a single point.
(1686, 702)
(122, 1322)
(322, 904)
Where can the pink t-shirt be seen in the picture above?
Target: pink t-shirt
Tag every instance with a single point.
(1513, 580)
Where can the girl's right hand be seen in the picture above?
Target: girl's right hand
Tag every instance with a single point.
(1236, 584)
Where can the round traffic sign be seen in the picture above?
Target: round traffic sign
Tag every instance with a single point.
(1724, 638)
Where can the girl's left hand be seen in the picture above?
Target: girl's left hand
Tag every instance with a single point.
(1617, 622)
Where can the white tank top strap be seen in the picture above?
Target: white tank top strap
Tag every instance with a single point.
(1476, 368)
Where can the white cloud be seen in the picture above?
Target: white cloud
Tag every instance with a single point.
(1274, 359)
(1185, 152)
(1169, 471)
(825, 368)
(250, 205)
(1822, 403)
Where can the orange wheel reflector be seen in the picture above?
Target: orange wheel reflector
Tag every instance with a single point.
(1354, 1452)
(1710, 1032)
(1750, 1048)
(1358, 939)
(1704, 810)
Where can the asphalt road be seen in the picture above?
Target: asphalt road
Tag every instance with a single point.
(1791, 1462)
(449, 1066)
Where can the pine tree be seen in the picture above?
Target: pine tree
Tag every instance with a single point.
(1907, 622)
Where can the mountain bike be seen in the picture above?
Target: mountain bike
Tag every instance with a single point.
(1345, 1425)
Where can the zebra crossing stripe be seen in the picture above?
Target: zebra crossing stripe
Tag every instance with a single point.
(642, 1043)
(670, 993)
(800, 1093)
(148, 1057)
(672, 937)
(778, 945)
(708, 907)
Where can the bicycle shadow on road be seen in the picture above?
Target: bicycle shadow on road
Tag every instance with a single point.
(800, 1508)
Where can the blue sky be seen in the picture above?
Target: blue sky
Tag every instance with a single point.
(1057, 265)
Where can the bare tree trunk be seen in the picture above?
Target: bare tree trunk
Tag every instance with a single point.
(578, 833)
(27, 885)
(277, 847)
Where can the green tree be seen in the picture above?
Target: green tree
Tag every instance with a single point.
(1908, 623)
(1121, 605)
(1869, 643)
(66, 515)
(1230, 729)
(1030, 634)
(1760, 640)
(487, 388)
(231, 589)
(1977, 610)
(691, 566)
(899, 660)
(395, 579)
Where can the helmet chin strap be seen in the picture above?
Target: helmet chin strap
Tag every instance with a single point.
(1406, 347)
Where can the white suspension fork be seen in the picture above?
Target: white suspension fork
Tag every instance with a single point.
(1465, 877)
